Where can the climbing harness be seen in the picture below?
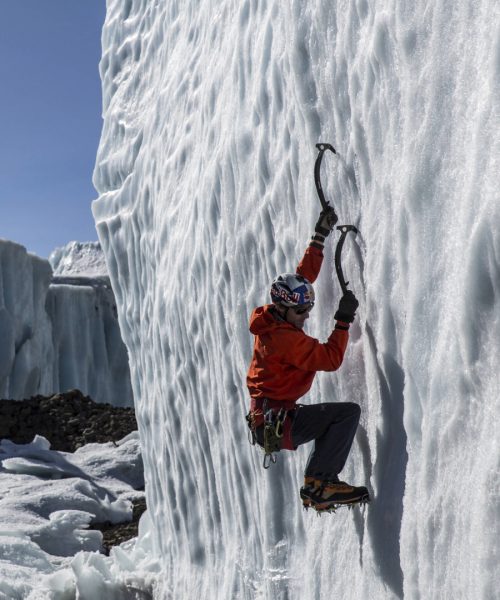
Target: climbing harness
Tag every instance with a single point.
(273, 431)
(345, 229)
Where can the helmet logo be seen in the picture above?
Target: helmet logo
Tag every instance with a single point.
(284, 295)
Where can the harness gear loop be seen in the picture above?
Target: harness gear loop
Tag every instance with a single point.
(250, 419)
(345, 229)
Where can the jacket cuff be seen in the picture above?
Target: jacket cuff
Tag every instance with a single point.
(342, 325)
(317, 247)
(317, 241)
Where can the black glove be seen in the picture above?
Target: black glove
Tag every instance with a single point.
(326, 221)
(347, 308)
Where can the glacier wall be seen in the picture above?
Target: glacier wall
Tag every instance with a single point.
(204, 173)
(58, 336)
(26, 352)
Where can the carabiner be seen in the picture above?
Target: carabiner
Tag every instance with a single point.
(268, 460)
(280, 420)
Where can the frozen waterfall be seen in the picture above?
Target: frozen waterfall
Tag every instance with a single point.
(205, 176)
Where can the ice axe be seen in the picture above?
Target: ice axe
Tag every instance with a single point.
(317, 173)
(345, 229)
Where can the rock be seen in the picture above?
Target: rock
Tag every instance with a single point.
(68, 420)
(115, 534)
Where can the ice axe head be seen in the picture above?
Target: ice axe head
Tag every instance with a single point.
(345, 229)
(322, 146)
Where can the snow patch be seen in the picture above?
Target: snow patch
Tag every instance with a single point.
(81, 259)
(48, 499)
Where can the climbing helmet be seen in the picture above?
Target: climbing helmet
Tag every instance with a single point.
(291, 289)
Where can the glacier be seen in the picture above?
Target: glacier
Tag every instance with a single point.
(59, 326)
(204, 174)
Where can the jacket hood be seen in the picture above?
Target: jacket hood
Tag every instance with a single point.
(263, 320)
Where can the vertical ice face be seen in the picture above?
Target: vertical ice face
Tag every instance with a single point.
(25, 330)
(89, 353)
(59, 336)
(204, 171)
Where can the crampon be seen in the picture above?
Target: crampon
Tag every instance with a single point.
(329, 496)
(331, 507)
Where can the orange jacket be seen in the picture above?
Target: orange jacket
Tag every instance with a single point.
(285, 359)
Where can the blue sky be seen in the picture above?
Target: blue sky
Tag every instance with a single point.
(50, 120)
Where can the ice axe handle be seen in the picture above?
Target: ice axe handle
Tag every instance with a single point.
(322, 147)
(345, 229)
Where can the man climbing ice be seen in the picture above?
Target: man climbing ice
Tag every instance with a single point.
(284, 363)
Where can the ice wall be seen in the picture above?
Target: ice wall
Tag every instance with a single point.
(26, 351)
(59, 333)
(212, 110)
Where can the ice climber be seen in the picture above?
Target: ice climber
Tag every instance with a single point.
(284, 363)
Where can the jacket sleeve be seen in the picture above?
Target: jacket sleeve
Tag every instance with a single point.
(308, 354)
(310, 265)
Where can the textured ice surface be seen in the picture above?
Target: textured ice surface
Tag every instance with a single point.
(60, 335)
(211, 113)
(88, 348)
(84, 259)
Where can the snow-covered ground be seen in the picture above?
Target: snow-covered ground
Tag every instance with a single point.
(59, 330)
(47, 501)
(205, 174)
